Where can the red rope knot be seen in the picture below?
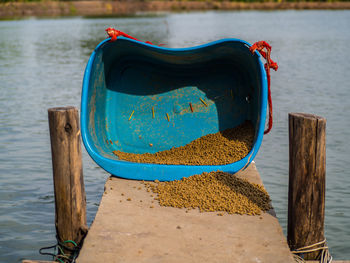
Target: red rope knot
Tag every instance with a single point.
(260, 46)
(114, 34)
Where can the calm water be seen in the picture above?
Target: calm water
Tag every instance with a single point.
(42, 64)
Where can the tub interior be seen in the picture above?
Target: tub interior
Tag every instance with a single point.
(139, 96)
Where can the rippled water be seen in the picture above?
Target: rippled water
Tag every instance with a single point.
(41, 66)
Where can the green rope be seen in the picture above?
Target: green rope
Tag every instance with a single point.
(61, 256)
(71, 241)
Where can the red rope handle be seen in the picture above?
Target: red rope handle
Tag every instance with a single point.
(259, 46)
(114, 34)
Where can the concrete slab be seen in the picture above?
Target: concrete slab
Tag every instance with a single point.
(139, 230)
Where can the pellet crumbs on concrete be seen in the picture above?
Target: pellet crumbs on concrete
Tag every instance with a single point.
(212, 192)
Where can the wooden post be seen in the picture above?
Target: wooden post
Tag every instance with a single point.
(307, 176)
(70, 200)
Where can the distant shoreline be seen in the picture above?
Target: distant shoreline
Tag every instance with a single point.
(13, 10)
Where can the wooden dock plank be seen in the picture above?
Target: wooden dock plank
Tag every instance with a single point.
(132, 231)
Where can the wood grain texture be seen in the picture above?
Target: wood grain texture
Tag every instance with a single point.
(307, 164)
(70, 200)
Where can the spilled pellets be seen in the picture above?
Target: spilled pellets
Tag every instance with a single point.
(213, 192)
(220, 148)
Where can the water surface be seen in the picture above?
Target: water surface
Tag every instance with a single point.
(42, 63)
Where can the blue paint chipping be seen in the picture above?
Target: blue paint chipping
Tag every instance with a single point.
(128, 77)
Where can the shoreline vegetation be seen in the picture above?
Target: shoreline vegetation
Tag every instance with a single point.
(47, 8)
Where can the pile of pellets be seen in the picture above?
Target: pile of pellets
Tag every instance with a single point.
(221, 148)
(212, 192)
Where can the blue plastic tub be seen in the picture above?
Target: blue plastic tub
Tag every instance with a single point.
(128, 77)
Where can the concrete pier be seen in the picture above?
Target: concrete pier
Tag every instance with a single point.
(130, 226)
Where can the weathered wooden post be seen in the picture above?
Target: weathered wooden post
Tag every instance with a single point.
(70, 200)
(307, 176)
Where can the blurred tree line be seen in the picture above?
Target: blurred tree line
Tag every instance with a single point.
(247, 1)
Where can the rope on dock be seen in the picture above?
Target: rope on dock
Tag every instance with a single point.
(325, 256)
(59, 254)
